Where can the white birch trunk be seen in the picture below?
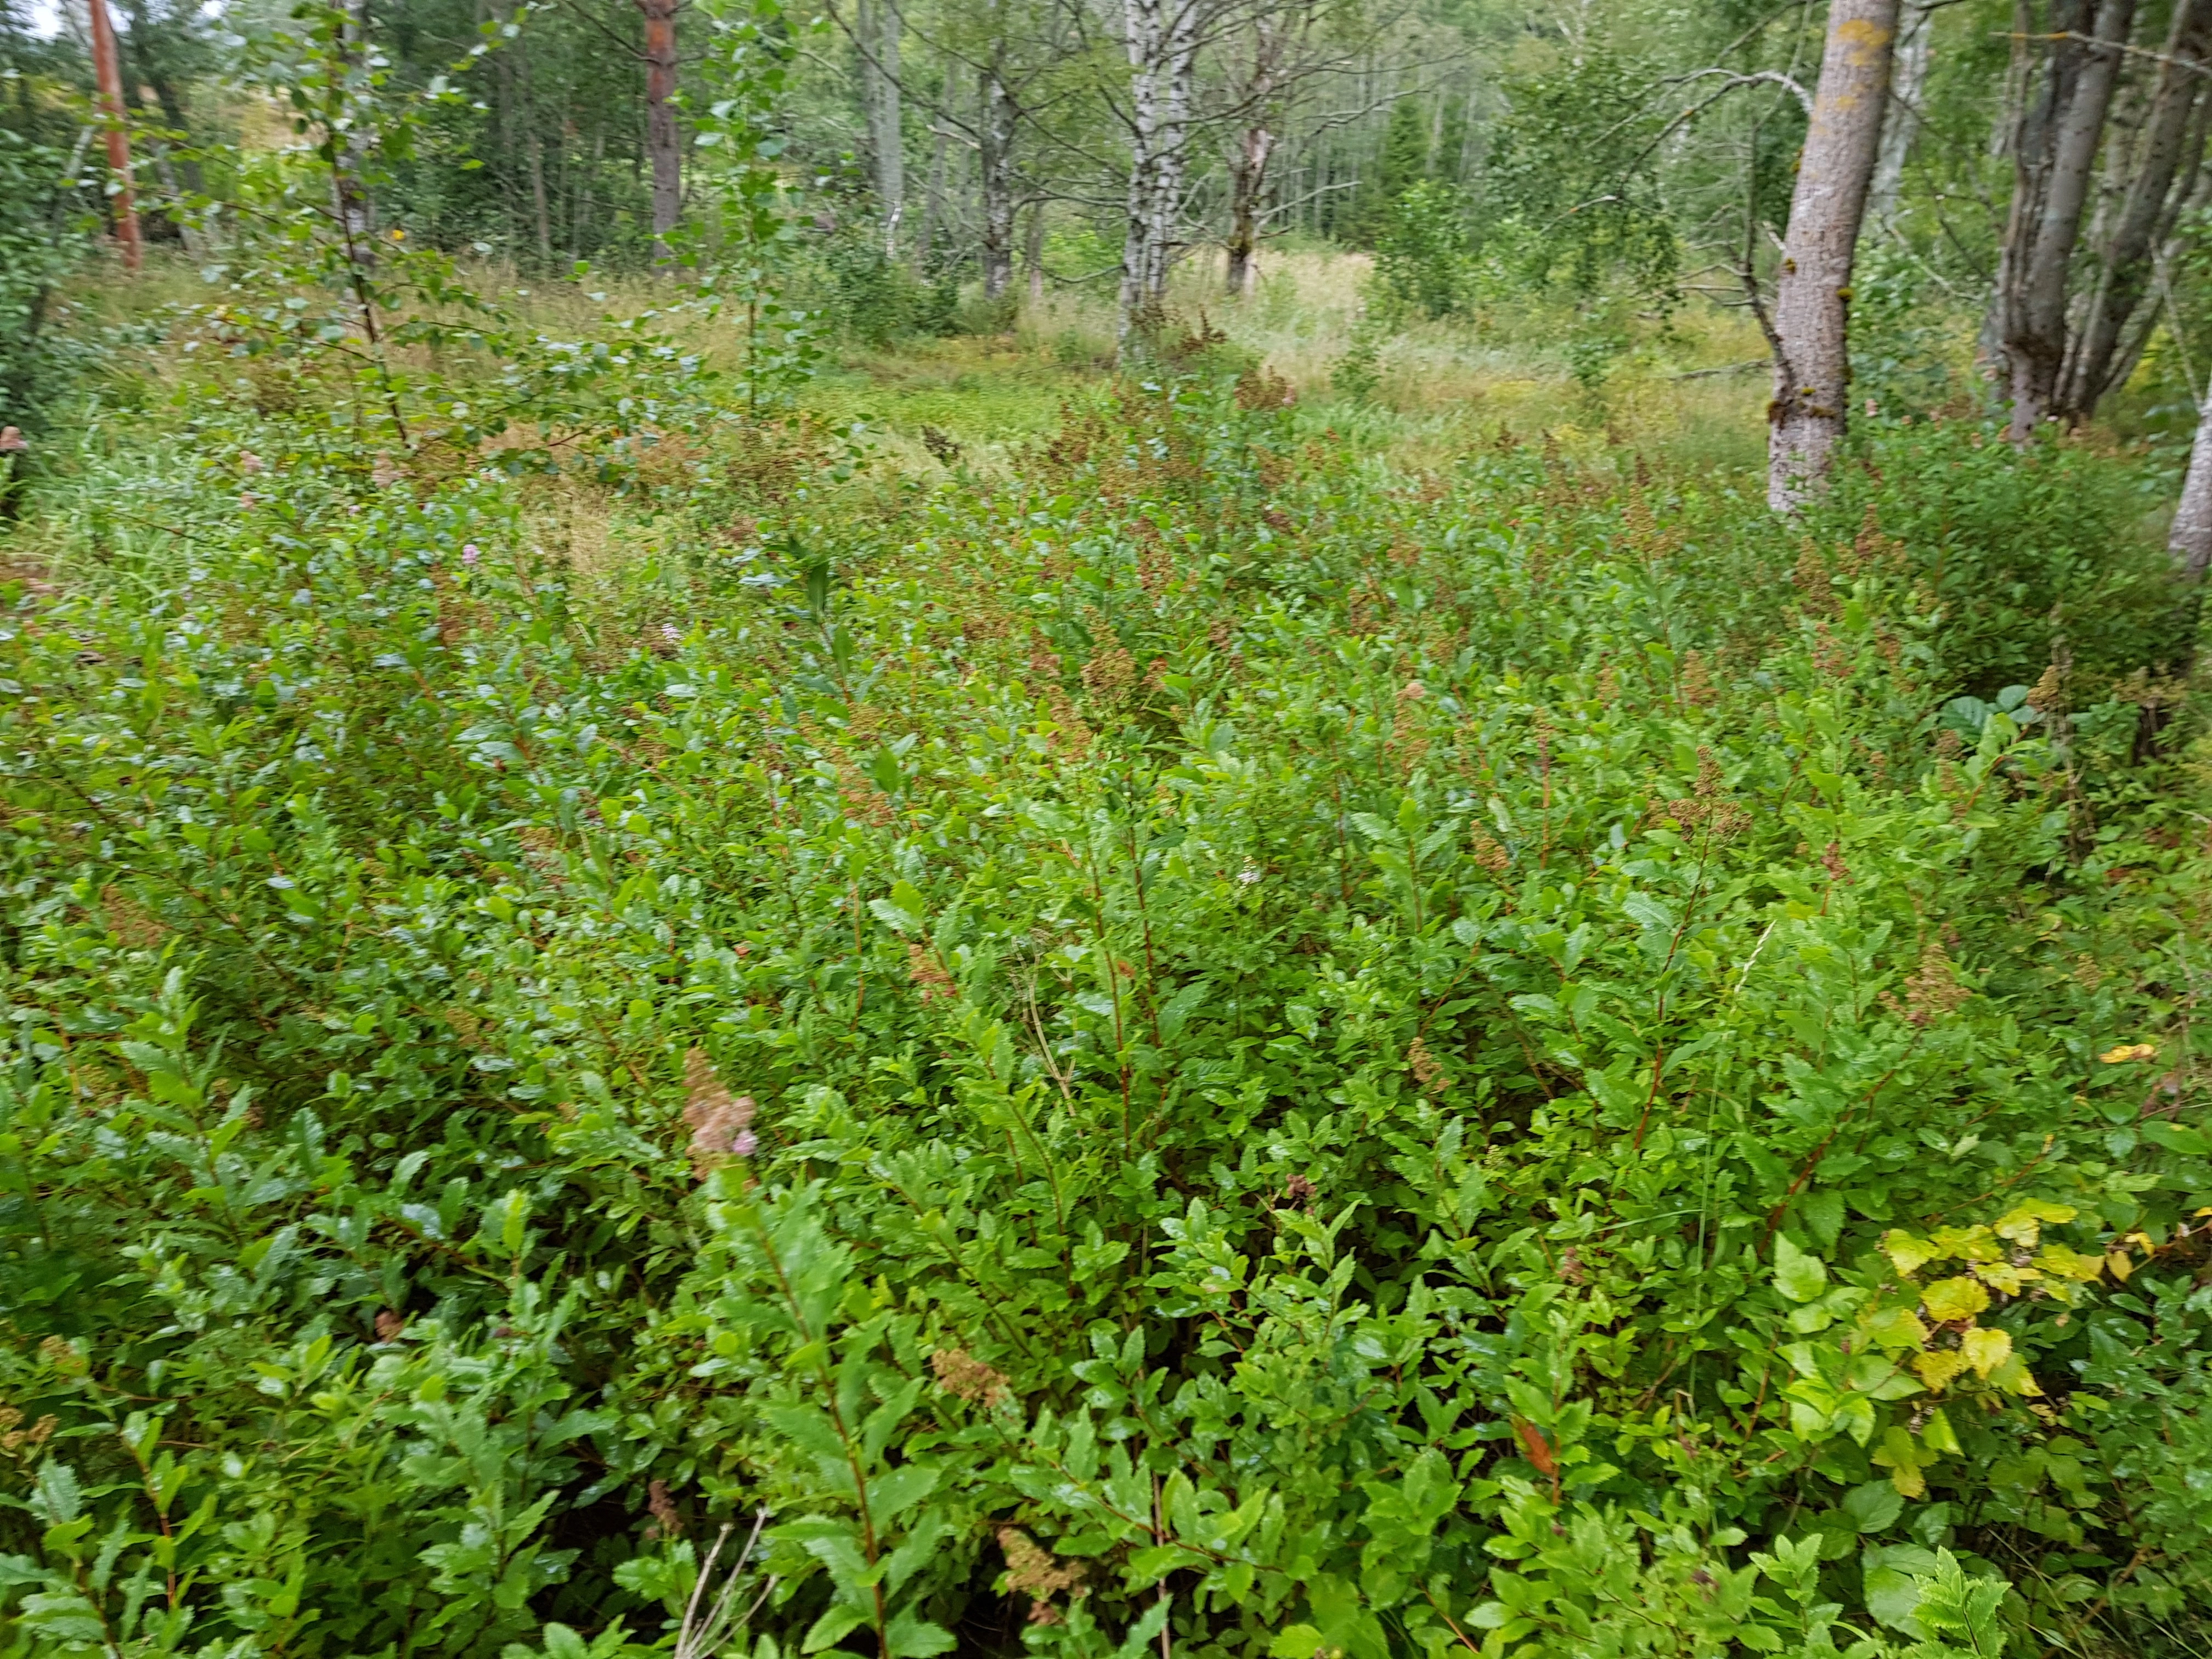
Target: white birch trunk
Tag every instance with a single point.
(2191, 539)
(1908, 86)
(1161, 38)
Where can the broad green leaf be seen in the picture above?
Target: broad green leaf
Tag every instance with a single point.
(1800, 1277)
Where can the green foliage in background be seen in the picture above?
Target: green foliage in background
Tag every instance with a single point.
(42, 237)
(1423, 258)
(1573, 182)
(1205, 1045)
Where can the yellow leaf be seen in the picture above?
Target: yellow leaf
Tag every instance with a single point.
(1907, 1254)
(1967, 1244)
(1899, 1328)
(2014, 1377)
(2023, 1222)
(1908, 1479)
(2069, 1263)
(1938, 1366)
(1949, 1299)
(2121, 1263)
(1985, 1349)
(2128, 1051)
(2005, 1278)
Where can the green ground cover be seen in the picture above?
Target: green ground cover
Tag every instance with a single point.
(1219, 1030)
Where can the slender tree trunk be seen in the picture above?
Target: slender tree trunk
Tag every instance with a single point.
(2191, 539)
(932, 206)
(1162, 38)
(1272, 37)
(1248, 183)
(350, 200)
(1033, 253)
(995, 159)
(2168, 155)
(534, 156)
(108, 70)
(544, 208)
(2050, 190)
(1901, 125)
(880, 26)
(661, 141)
(509, 171)
(1812, 299)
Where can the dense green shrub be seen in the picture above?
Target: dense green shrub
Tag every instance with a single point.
(1212, 1049)
(42, 237)
(2028, 556)
(1423, 253)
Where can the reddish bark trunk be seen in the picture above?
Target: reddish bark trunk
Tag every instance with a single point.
(107, 67)
(661, 142)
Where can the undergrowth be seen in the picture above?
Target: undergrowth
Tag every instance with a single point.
(1212, 1046)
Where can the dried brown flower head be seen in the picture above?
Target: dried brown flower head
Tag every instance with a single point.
(1812, 580)
(134, 927)
(2048, 694)
(858, 794)
(1707, 809)
(389, 1324)
(924, 969)
(1488, 852)
(721, 1125)
(1829, 655)
(1031, 1570)
(1694, 683)
(1074, 737)
(1931, 989)
(964, 1376)
(21, 1443)
(667, 1520)
(1424, 1066)
(1709, 776)
(1110, 676)
(1299, 1192)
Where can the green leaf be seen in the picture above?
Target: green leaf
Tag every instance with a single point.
(1295, 1642)
(1874, 1505)
(838, 1621)
(1800, 1277)
(903, 1486)
(908, 1637)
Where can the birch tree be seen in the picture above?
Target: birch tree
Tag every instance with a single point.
(2057, 132)
(2190, 541)
(1812, 295)
(1161, 38)
(1901, 125)
(2151, 180)
(879, 28)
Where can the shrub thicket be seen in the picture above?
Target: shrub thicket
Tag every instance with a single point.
(1210, 1048)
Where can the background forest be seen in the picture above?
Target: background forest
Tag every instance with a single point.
(1019, 826)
